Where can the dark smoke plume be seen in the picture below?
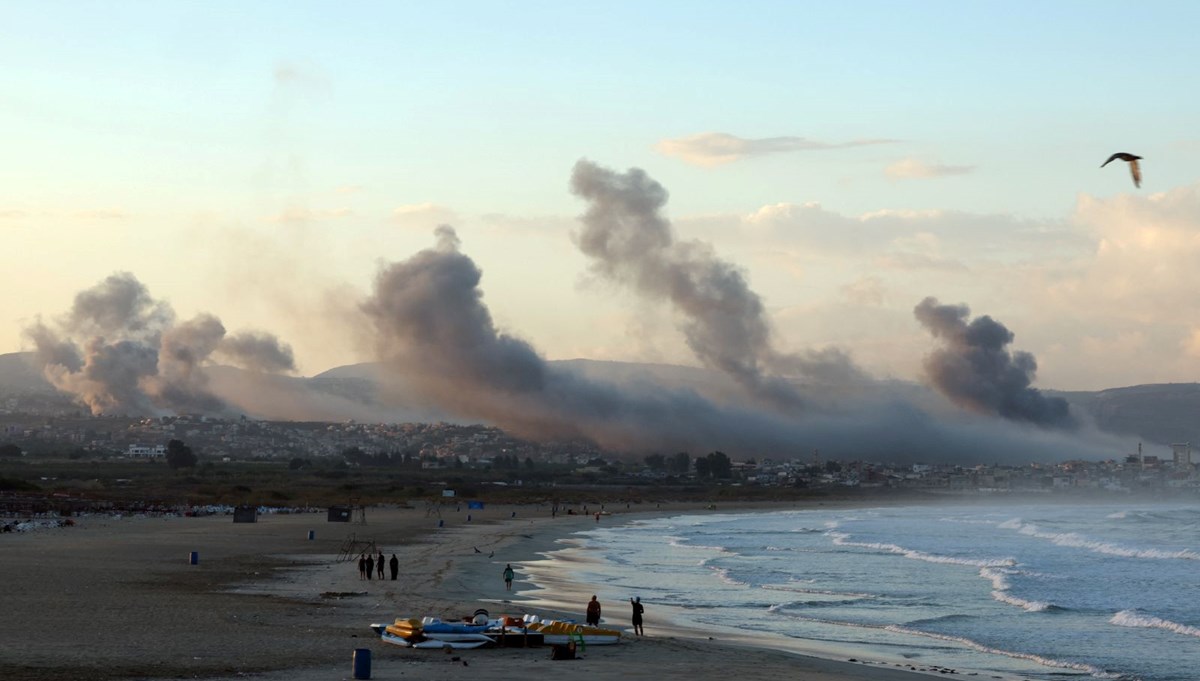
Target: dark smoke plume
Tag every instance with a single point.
(725, 323)
(974, 369)
(432, 326)
(257, 351)
(432, 329)
(120, 351)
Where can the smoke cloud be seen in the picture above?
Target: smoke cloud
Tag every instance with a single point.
(975, 370)
(431, 329)
(257, 351)
(725, 323)
(120, 351)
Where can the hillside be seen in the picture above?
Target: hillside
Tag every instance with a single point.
(1156, 413)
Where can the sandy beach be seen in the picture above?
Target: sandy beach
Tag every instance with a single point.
(115, 599)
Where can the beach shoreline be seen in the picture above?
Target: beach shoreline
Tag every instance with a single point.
(118, 599)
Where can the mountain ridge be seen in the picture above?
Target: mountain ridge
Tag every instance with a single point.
(1161, 413)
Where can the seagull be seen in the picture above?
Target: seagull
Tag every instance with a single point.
(477, 549)
(1133, 165)
(492, 553)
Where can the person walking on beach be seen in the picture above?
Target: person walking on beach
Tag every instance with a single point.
(362, 566)
(508, 577)
(593, 612)
(637, 615)
(370, 566)
(395, 565)
(381, 566)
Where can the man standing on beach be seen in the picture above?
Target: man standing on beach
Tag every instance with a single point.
(593, 612)
(508, 577)
(381, 566)
(370, 565)
(637, 615)
(395, 565)
(362, 566)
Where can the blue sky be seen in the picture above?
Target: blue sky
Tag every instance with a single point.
(260, 160)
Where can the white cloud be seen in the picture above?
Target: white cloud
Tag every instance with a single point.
(915, 169)
(424, 216)
(306, 215)
(864, 291)
(710, 149)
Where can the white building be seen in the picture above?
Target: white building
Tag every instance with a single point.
(146, 452)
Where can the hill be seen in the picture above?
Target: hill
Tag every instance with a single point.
(1159, 413)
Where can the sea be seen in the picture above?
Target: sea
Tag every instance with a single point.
(1011, 590)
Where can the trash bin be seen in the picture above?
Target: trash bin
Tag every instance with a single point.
(194, 558)
(362, 663)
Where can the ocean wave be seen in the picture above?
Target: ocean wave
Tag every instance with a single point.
(817, 592)
(973, 645)
(1076, 540)
(1031, 657)
(793, 605)
(1028, 606)
(723, 575)
(841, 539)
(1119, 515)
(1133, 618)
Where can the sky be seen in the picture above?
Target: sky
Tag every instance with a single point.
(265, 162)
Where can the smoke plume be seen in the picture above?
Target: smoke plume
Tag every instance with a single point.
(120, 351)
(725, 323)
(257, 351)
(432, 329)
(975, 370)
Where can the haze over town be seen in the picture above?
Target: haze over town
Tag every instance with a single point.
(817, 222)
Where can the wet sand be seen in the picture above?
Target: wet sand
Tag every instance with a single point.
(116, 599)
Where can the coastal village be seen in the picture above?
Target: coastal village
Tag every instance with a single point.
(455, 447)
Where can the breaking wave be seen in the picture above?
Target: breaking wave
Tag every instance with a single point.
(1132, 618)
(1075, 540)
(841, 539)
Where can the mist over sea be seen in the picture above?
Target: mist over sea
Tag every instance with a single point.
(1035, 591)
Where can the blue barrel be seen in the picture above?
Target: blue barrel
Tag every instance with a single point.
(362, 663)
(194, 558)
(441, 523)
(514, 515)
(468, 517)
(312, 534)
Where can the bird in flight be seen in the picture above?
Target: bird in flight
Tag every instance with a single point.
(1134, 168)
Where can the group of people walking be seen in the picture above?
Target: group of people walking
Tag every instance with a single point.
(369, 565)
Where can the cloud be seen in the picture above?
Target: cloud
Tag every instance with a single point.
(724, 321)
(974, 368)
(120, 351)
(717, 148)
(257, 351)
(432, 330)
(422, 215)
(308, 215)
(915, 169)
(864, 291)
(12, 214)
(293, 75)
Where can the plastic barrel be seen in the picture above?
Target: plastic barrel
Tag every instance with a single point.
(312, 534)
(194, 558)
(362, 663)
(441, 523)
